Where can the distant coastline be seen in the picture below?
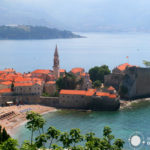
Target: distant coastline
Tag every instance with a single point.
(25, 32)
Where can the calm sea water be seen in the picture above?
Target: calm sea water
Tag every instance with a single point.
(96, 49)
(124, 123)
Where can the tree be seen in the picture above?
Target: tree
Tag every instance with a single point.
(76, 137)
(98, 73)
(27, 146)
(69, 139)
(146, 63)
(9, 144)
(97, 84)
(3, 135)
(52, 133)
(12, 86)
(67, 82)
(41, 140)
(66, 141)
(36, 122)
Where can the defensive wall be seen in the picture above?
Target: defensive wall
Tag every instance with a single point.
(137, 80)
(67, 101)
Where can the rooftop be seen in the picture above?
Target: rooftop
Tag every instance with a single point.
(24, 84)
(5, 91)
(73, 92)
(42, 71)
(124, 66)
(51, 82)
(76, 70)
(62, 70)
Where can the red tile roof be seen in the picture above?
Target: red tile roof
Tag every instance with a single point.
(21, 79)
(73, 92)
(62, 70)
(76, 70)
(9, 70)
(24, 84)
(41, 71)
(6, 83)
(111, 88)
(106, 94)
(51, 82)
(1, 72)
(124, 66)
(5, 91)
(112, 96)
(90, 93)
(102, 94)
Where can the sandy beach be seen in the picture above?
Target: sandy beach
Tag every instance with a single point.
(17, 115)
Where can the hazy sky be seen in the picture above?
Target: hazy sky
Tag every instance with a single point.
(84, 13)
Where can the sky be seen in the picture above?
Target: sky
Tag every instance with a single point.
(80, 14)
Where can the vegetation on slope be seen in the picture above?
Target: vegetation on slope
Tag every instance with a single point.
(30, 32)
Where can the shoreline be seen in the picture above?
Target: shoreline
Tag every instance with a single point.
(128, 104)
(20, 119)
(12, 122)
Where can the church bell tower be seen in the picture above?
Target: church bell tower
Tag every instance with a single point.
(56, 64)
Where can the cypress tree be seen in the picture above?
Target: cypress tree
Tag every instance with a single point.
(5, 136)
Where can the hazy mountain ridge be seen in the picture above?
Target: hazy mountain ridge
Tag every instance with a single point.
(31, 32)
(77, 15)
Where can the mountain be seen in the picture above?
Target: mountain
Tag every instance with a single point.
(31, 32)
(79, 15)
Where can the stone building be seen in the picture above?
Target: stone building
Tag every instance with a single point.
(137, 82)
(5, 85)
(50, 87)
(133, 81)
(27, 89)
(77, 71)
(81, 99)
(115, 78)
(42, 74)
(87, 83)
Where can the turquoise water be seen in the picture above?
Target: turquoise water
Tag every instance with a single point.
(96, 49)
(124, 123)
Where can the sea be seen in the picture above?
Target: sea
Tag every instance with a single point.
(95, 49)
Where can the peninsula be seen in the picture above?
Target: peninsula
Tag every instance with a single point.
(19, 32)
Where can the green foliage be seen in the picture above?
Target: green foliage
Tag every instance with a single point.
(146, 63)
(9, 144)
(56, 94)
(67, 82)
(52, 133)
(36, 122)
(68, 140)
(97, 84)
(30, 32)
(98, 73)
(123, 90)
(46, 94)
(12, 86)
(27, 146)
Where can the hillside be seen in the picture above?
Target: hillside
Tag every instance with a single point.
(31, 32)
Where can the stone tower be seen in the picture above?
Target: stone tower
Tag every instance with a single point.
(56, 64)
